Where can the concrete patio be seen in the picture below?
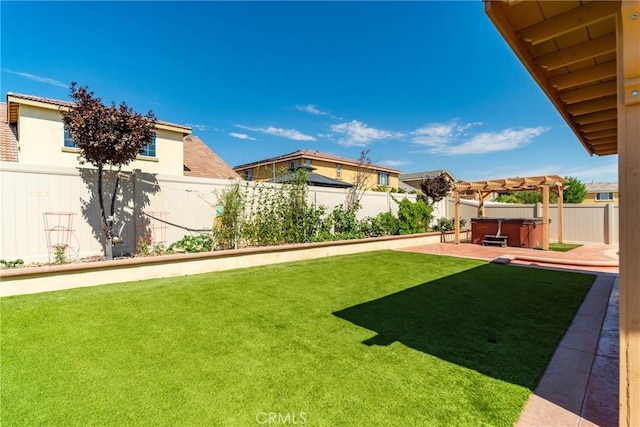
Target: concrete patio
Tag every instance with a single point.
(580, 384)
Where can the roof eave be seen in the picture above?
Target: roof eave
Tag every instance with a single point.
(493, 9)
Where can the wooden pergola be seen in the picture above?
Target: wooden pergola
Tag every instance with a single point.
(585, 56)
(484, 189)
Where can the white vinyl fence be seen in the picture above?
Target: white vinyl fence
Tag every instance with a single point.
(146, 203)
(583, 223)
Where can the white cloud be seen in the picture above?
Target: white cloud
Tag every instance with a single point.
(39, 79)
(311, 109)
(518, 172)
(607, 172)
(241, 136)
(394, 163)
(201, 128)
(440, 134)
(454, 138)
(285, 133)
(355, 133)
(489, 142)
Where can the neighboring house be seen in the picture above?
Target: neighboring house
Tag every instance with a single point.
(33, 134)
(414, 179)
(602, 192)
(327, 165)
(312, 179)
(201, 161)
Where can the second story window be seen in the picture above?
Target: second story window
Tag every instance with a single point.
(383, 178)
(149, 150)
(293, 165)
(68, 141)
(248, 175)
(339, 171)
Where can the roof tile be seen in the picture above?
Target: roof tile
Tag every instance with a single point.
(8, 140)
(61, 103)
(313, 154)
(596, 187)
(200, 160)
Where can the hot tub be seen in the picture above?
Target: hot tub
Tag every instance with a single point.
(520, 232)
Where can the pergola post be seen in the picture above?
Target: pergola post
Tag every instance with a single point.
(560, 213)
(483, 196)
(628, 107)
(457, 217)
(545, 217)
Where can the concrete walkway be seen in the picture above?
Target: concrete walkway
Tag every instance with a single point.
(580, 385)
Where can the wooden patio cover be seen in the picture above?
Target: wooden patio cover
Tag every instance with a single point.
(546, 184)
(585, 56)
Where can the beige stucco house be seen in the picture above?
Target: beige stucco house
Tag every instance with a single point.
(328, 165)
(33, 134)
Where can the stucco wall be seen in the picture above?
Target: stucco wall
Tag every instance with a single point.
(591, 198)
(321, 167)
(41, 139)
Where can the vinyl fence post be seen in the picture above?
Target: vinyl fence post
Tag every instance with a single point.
(608, 226)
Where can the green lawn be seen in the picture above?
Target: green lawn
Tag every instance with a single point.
(383, 338)
(563, 247)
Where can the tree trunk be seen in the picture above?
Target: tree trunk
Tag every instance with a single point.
(106, 229)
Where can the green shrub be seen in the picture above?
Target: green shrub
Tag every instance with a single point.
(280, 214)
(226, 230)
(388, 223)
(345, 224)
(413, 217)
(11, 264)
(446, 224)
(189, 244)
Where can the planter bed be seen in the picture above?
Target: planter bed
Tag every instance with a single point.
(56, 277)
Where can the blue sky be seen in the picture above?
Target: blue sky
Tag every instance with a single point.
(423, 85)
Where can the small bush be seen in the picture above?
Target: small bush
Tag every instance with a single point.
(413, 217)
(191, 244)
(388, 223)
(446, 224)
(345, 224)
(11, 264)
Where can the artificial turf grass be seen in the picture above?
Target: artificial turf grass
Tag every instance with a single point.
(563, 247)
(369, 339)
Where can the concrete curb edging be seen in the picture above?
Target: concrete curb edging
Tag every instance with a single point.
(51, 278)
(584, 263)
(564, 396)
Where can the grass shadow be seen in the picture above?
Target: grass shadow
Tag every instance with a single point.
(501, 321)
